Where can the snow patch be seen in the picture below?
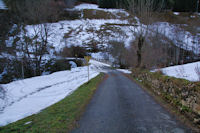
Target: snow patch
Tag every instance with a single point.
(124, 71)
(176, 13)
(86, 6)
(73, 64)
(186, 71)
(28, 123)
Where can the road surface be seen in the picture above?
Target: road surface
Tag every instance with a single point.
(121, 106)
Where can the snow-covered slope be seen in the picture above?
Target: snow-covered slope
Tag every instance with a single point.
(178, 36)
(29, 96)
(80, 32)
(84, 32)
(186, 71)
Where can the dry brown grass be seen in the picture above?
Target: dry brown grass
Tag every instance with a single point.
(100, 14)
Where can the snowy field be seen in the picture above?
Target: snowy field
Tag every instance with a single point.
(187, 71)
(30, 96)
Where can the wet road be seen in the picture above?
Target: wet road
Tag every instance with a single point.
(121, 106)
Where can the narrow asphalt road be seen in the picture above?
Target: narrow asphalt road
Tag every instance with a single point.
(121, 106)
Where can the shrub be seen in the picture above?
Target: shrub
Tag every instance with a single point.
(3, 97)
(197, 70)
(74, 51)
(12, 71)
(79, 63)
(57, 65)
(2, 93)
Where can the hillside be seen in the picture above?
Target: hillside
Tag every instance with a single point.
(99, 26)
(100, 32)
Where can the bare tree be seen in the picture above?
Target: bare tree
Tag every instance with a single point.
(34, 44)
(143, 10)
(3, 98)
(197, 10)
(197, 70)
(119, 52)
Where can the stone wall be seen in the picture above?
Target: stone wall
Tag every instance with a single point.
(182, 94)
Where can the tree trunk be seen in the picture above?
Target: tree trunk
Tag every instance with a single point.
(139, 51)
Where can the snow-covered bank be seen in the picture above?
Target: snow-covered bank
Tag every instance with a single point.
(186, 71)
(30, 96)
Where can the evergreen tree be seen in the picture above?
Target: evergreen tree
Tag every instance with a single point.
(107, 3)
(185, 5)
(176, 5)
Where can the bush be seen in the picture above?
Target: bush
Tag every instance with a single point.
(79, 63)
(57, 65)
(74, 51)
(2, 93)
(11, 71)
(3, 97)
(120, 53)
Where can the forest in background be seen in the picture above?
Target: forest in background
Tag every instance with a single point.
(175, 5)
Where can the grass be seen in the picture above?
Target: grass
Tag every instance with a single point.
(60, 117)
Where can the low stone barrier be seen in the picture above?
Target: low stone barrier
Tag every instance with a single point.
(182, 94)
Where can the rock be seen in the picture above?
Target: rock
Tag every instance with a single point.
(184, 94)
(196, 120)
(184, 103)
(158, 93)
(196, 108)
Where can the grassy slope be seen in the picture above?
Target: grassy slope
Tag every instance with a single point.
(60, 117)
